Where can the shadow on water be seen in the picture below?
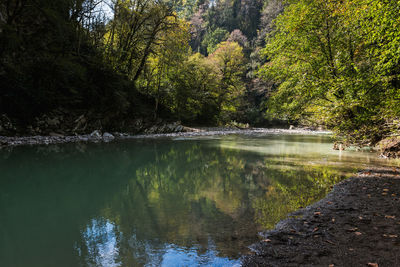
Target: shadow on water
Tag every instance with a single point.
(199, 201)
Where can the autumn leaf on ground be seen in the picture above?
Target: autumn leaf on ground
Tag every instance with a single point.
(370, 264)
(358, 233)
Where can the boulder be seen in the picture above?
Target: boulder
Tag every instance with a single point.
(108, 137)
(96, 134)
(389, 147)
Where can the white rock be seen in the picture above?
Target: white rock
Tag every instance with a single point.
(96, 134)
(108, 136)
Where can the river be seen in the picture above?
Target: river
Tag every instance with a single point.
(176, 201)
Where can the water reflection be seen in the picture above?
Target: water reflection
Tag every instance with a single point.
(101, 244)
(156, 202)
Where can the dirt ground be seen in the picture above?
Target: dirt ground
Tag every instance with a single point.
(357, 224)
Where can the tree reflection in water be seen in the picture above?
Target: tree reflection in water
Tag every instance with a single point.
(157, 202)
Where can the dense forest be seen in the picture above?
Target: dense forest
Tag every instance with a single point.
(202, 62)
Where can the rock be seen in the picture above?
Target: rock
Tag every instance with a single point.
(179, 128)
(152, 130)
(390, 147)
(339, 146)
(188, 129)
(96, 134)
(108, 136)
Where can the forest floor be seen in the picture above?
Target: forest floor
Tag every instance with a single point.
(357, 224)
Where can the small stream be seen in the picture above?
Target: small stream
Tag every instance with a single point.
(181, 200)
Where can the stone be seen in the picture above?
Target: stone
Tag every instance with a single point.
(96, 134)
(178, 128)
(108, 136)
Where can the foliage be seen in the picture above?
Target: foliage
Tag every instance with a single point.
(228, 59)
(76, 55)
(330, 69)
(212, 39)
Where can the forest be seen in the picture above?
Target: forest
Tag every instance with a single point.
(203, 62)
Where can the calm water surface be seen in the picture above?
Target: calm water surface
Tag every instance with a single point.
(177, 202)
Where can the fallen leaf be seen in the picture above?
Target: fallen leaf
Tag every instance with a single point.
(352, 229)
(390, 217)
(393, 195)
(331, 265)
(267, 240)
(315, 229)
(384, 194)
(393, 236)
(358, 233)
(385, 190)
(372, 264)
(351, 249)
(317, 213)
(329, 202)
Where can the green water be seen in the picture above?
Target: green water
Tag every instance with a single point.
(173, 202)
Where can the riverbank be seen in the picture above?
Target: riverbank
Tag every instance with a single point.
(357, 224)
(181, 131)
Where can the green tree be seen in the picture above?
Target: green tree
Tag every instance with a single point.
(320, 59)
(213, 38)
(229, 61)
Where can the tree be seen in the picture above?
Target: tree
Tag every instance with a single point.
(133, 33)
(318, 56)
(229, 60)
(213, 38)
(164, 62)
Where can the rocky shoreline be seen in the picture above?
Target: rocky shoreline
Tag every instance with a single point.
(357, 224)
(180, 131)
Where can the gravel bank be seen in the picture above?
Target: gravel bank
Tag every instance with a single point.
(357, 224)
